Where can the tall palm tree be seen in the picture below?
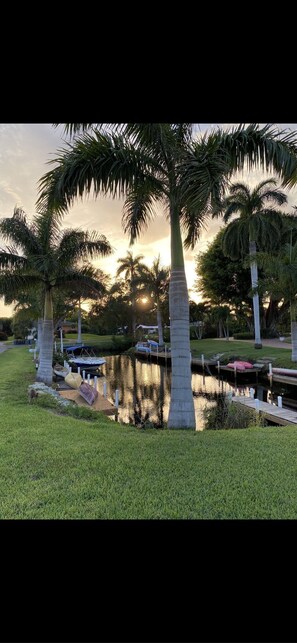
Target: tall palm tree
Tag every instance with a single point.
(132, 267)
(44, 256)
(156, 281)
(160, 162)
(256, 225)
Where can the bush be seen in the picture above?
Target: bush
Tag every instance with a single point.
(269, 333)
(245, 335)
(231, 416)
(3, 336)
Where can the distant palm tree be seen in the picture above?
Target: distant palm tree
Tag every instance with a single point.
(42, 255)
(161, 162)
(132, 267)
(156, 282)
(255, 226)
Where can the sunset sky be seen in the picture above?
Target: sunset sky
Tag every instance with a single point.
(24, 152)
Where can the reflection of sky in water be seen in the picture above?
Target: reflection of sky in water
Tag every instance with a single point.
(144, 390)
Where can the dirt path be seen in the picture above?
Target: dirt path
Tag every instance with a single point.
(4, 347)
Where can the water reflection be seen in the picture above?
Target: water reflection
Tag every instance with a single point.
(144, 390)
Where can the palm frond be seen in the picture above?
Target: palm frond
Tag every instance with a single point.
(9, 258)
(106, 164)
(78, 244)
(11, 283)
(139, 206)
(17, 230)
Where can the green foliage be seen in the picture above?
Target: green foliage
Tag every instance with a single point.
(226, 415)
(3, 336)
(244, 335)
(220, 279)
(6, 325)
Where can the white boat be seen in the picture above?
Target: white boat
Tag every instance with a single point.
(87, 362)
(284, 371)
(86, 358)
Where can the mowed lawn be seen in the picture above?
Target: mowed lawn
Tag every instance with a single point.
(58, 467)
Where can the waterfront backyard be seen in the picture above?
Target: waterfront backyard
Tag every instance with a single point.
(59, 467)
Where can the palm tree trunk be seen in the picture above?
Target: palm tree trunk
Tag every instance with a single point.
(256, 307)
(79, 323)
(293, 331)
(133, 303)
(159, 322)
(181, 410)
(39, 333)
(45, 369)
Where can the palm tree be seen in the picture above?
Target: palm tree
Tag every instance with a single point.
(44, 256)
(256, 225)
(131, 266)
(82, 293)
(160, 162)
(156, 281)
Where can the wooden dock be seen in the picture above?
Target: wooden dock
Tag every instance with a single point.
(238, 371)
(270, 411)
(101, 404)
(195, 361)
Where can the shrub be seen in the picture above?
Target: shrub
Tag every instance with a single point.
(226, 415)
(3, 336)
(245, 335)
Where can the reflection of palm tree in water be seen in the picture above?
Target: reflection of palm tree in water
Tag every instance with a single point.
(137, 418)
(155, 391)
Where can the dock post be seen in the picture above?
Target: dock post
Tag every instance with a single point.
(89, 378)
(257, 402)
(280, 401)
(78, 370)
(202, 360)
(105, 389)
(252, 393)
(96, 382)
(84, 375)
(116, 398)
(270, 368)
(218, 363)
(70, 369)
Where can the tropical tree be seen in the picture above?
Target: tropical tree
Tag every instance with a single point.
(281, 282)
(132, 267)
(156, 282)
(43, 255)
(220, 280)
(82, 293)
(256, 225)
(160, 162)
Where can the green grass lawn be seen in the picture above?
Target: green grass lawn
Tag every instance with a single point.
(54, 466)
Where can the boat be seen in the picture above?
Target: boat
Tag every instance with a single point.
(86, 359)
(284, 371)
(60, 371)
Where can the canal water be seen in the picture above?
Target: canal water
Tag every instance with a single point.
(144, 390)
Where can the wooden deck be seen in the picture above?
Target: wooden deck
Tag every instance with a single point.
(246, 372)
(195, 361)
(101, 404)
(270, 411)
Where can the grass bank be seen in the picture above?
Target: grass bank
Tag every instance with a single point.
(57, 467)
(243, 350)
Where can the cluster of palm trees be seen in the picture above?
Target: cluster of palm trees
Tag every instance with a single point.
(150, 163)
